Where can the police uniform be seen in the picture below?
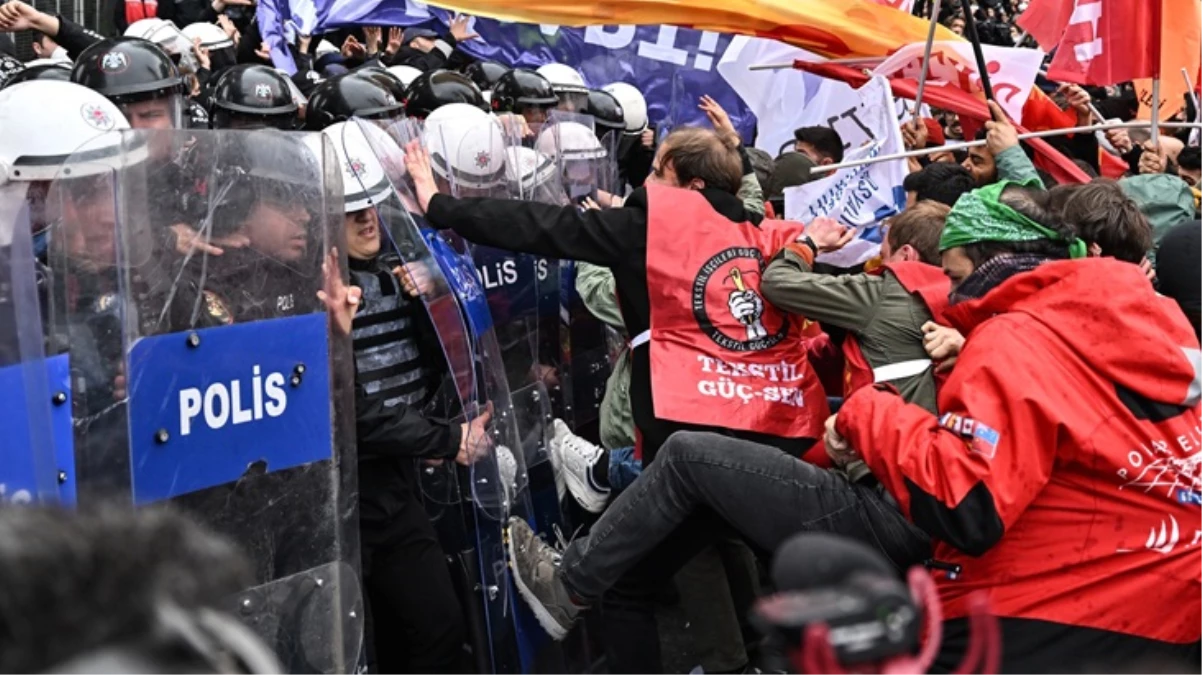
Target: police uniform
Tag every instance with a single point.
(415, 612)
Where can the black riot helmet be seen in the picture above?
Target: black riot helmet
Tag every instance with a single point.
(432, 90)
(253, 96)
(368, 92)
(59, 71)
(606, 111)
(485, 73)
(520, 89)
(128, 71)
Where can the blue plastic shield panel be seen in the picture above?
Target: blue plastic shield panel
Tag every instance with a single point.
(244, 395)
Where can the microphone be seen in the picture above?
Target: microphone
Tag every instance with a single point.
(841, 605)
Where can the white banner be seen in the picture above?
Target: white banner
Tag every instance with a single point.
(788, 99)
(860, 196)
(1012, 71)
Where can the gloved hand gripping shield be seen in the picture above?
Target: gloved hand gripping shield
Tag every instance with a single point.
(215, 380)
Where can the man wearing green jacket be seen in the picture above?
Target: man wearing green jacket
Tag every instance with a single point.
(883, 311)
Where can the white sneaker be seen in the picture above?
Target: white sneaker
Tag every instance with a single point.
(577, 458)
(507, 467)
(559, 432)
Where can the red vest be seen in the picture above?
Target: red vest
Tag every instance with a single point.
(136, 10)
(931, 286)
(720, 354)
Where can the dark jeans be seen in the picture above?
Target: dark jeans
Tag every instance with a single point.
(701, 487)
(416, 624)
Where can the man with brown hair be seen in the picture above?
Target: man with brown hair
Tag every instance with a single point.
(684, 230)
(883, 310)
(1105, 218)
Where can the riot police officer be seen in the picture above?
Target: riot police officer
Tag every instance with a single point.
(260, 190)
(608, 117)
(417, 625)
(138, 76)
(368, 92)
(526, 93)
(55, 70)
(568, 84)
(253, 96)
(485, 74)
(434, 89)
(636, 149)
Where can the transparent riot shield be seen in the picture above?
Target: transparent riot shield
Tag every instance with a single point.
(468, 156)
(584, 164)
(457, 304)
(30, 467)
(215, 381)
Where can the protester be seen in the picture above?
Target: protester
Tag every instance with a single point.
(417, 625)
(821, 144)
(957, 476)
(1179, 272)
(1105, 218)
(884, 310)
(1189, 166)
(426, 50)
(942, 182)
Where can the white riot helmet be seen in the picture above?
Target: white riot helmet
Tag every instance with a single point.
(43, 122)
(143, 27)
(467, 152)
(634, 106)
(167, 36)
(568, 84)
(456, 111)
(210, 35)
(364, 183)
(406, 74)
(569, 141)
(527, 169)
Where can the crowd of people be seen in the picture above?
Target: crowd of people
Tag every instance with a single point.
(1008, 394)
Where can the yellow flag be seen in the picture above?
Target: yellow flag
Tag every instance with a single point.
(831, 28)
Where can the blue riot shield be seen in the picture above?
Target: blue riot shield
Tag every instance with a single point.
(36, 396)
(208, 376)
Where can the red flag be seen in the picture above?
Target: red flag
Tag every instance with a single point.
(956, 100)
(1045, 20)
(1109, 41)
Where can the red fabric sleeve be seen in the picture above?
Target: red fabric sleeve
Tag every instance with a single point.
(1005, 397)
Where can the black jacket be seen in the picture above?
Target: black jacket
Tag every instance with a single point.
(390, 440)
(446, 54)
(74, 38)
(617, 239)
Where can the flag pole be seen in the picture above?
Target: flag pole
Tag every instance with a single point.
(866, 61)
(1158, 6)
(1189, 86)
(970, 27)
(1141, 124)
(926, 63)
(1156, 113)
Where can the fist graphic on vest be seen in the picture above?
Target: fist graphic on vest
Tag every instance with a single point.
(748, 308)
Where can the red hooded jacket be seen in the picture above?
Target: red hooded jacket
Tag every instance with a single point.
(1064, 474)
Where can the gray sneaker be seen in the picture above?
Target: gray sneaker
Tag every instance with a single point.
(535, 567)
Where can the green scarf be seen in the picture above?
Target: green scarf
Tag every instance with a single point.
(980, 216)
